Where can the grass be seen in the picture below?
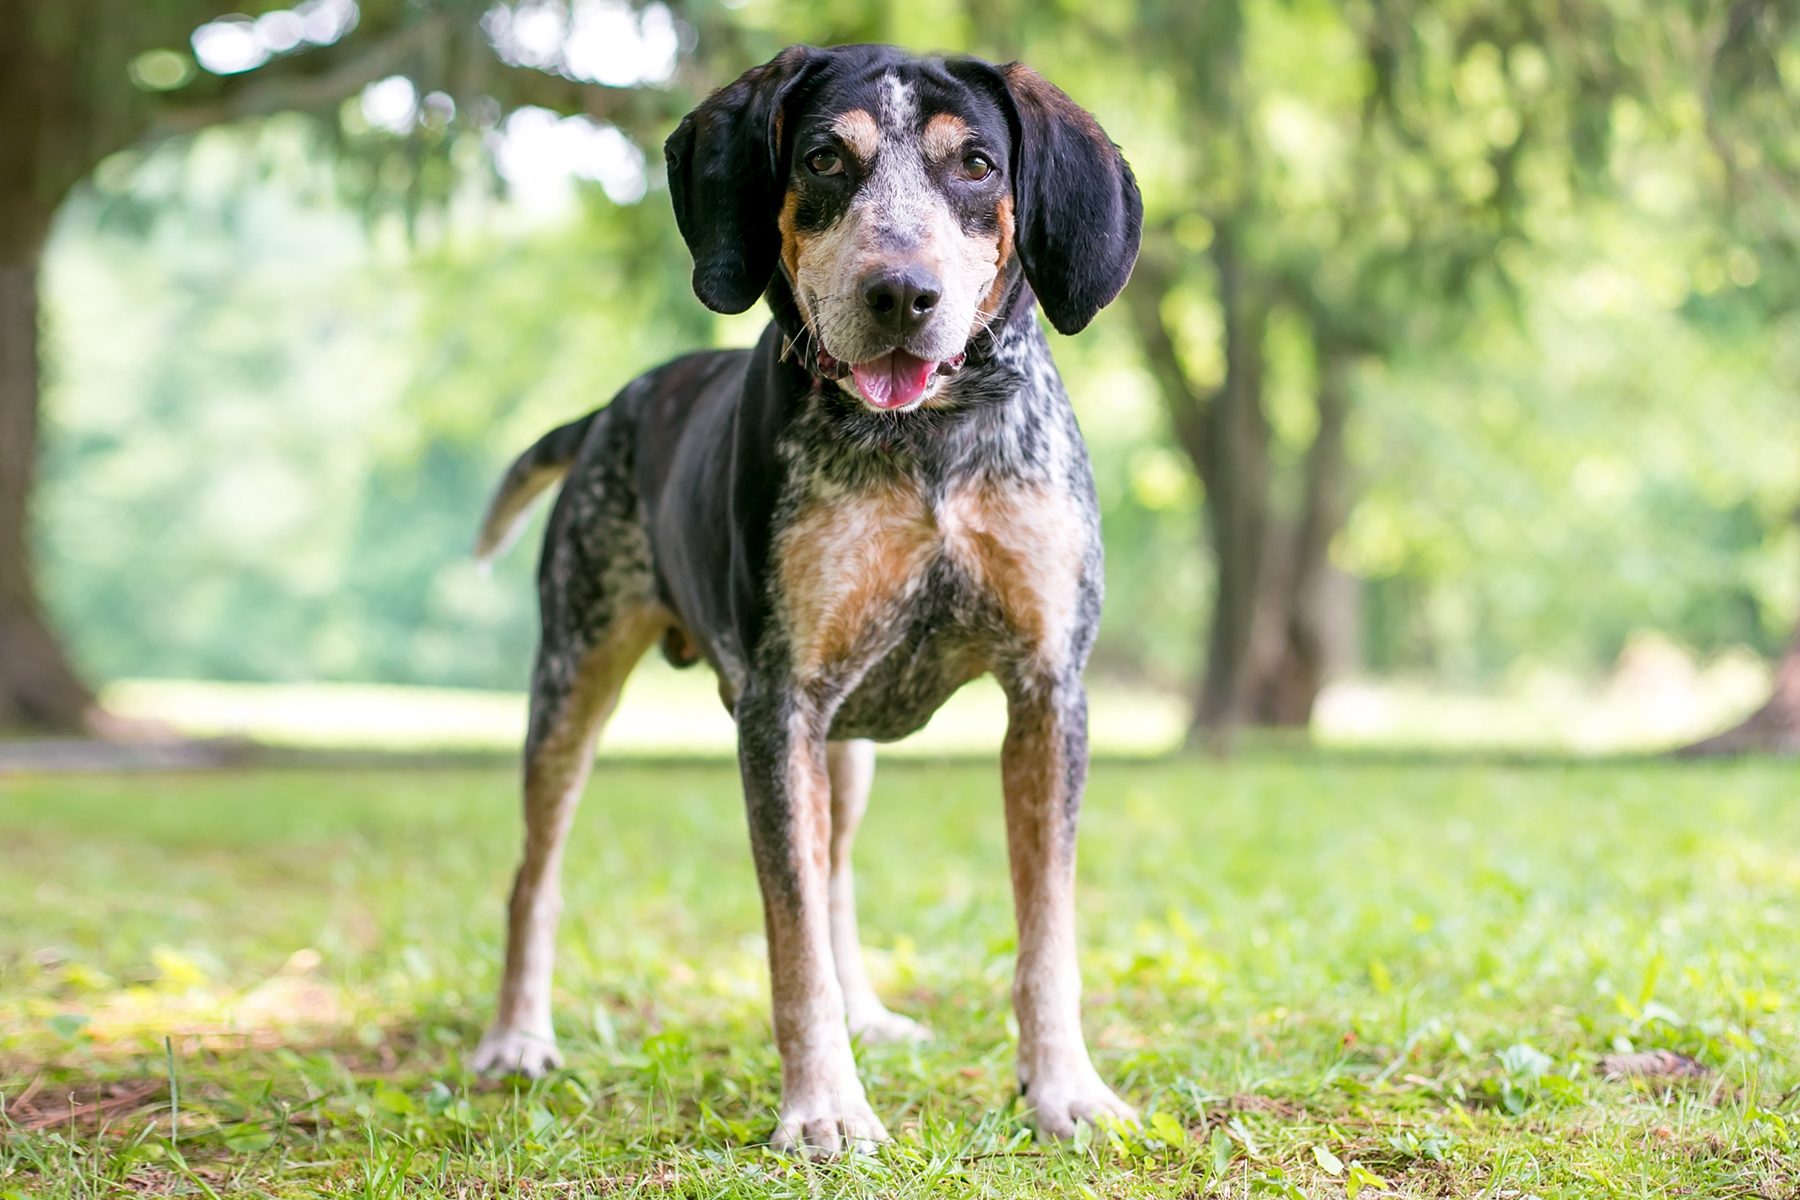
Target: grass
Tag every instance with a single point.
(1316, 977)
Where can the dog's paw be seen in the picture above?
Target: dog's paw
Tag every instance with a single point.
(880, 1026)
(828, 1130)
(515, 1052)
(1061, 1101)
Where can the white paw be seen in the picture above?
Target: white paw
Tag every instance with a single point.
(828, 1130)
(878, 1025)
(515, 1052)
(1060, 1100)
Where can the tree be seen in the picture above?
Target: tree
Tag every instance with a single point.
(1356, 171)
(84, 79)
(1747, 93)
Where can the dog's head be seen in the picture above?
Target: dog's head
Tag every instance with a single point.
(899, 198)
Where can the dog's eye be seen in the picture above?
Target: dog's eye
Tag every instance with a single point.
(977, 166)
(825, 162)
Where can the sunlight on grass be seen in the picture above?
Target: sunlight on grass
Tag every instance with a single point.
(674, 713)
(664, 712)
(1315, 978)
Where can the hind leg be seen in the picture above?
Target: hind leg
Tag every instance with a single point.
(574, 691)
(851, 766)
(597, 594)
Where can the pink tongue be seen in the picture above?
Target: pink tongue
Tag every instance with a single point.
(894, 380)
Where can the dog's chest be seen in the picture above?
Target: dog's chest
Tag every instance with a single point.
(900, 596)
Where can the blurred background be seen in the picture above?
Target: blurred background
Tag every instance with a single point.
(1452, 403)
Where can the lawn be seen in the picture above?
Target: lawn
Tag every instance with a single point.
(1317, 976)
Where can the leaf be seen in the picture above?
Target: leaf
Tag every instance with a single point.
(1525, 1061)
(1275, 1182)
(67, 1025)
(1167, 1129)
(1361, 1177)
(1222, 1151)
(1328, 1162)
(247, 1139)
(390, 1099)
(438, 1099)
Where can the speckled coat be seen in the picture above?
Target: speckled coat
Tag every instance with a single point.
(843, 570)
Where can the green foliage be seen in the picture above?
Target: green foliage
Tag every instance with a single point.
(281, 445)
(282, 384)
(1345, 977)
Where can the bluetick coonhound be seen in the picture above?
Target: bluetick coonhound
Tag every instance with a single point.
(887, 497)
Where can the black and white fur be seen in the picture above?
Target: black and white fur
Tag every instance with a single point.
(843, 569)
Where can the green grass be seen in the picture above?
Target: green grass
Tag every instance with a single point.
(1292, 967)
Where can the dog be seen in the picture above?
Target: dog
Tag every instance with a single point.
(884, 499)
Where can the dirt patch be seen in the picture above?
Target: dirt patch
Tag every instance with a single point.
(42, 1106)
(1651, 1064)
(1247, 1103)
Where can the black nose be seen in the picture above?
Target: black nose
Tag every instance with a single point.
(901, 298)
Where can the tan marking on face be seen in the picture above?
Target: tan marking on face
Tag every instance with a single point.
(860, 133)
(1003, 251)
(1027, 544)
(945, 134)
(792, 242)
(846, 565)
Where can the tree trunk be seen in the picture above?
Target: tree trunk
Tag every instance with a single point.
(1225, 435)
(1772, 729)
(39, 689)
(1301, 596)
(1277, 617)
(1236, 478)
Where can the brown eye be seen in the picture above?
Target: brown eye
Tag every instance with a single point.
(977, 166)
(825, 162)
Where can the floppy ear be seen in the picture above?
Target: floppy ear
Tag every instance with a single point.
(1078, 214)
(725, 178)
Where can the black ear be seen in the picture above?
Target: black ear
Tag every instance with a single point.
(1078, 214)
(725, 178)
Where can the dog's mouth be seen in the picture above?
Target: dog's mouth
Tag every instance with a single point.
(896, 380)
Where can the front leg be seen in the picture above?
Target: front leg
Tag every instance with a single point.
(781, 745)
(1044, 764)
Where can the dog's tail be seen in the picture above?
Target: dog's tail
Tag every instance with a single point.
(545, 463)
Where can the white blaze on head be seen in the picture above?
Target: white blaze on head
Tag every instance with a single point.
(899, 103)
